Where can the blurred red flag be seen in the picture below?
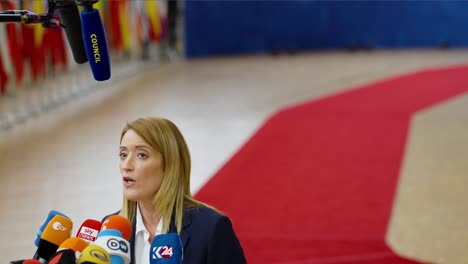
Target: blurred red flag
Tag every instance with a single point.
(15, 47)
(54, 44)
(116, 32)
(3, 78)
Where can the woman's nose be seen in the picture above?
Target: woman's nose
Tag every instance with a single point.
(127, 164)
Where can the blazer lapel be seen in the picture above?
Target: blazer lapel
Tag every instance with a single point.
(186, 221)
(184, 235)
(132, 243)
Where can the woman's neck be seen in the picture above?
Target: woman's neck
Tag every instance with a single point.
(150, 218)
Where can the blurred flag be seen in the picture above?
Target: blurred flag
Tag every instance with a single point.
(38, 6)
(124, 10)
(33, 36)
(54, 44)
(5, 62)
(100, 6)
(3, 77)
(141, 22)
(116, 28)
(29, 52)
(154, 20)
(15, 47)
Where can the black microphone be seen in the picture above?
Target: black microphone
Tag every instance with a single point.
(65, 256)
(71, 21)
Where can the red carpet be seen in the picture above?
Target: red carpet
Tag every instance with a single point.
(316, 183)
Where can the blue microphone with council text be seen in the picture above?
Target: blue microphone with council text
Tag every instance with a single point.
(95, 41)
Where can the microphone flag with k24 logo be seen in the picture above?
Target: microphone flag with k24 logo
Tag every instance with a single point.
(166, 249)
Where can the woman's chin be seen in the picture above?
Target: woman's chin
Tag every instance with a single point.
(131, 195)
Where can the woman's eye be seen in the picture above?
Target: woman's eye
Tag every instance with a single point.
(122, 155)
(142, 155)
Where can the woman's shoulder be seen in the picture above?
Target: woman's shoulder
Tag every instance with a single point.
(212, 230)
(204, 214)
(205, 223)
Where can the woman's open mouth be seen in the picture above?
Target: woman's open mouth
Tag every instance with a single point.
(128, 182)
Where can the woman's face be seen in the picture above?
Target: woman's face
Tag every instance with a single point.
(141, 168)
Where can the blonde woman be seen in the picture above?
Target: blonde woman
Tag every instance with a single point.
(155, 169)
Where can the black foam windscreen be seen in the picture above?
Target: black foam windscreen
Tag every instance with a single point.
(66, 256)
(71, 20)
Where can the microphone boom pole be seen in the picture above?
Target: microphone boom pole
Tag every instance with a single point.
(6, 18)
(28, 17)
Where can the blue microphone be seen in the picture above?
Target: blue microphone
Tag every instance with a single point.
(166, 249)
(95, 42)
(43, 226)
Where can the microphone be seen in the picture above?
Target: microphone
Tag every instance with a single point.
(65, 256)
(57, 230)
(89, 230)
(26, 261)
(76, 244)
(31, 261)
(166, 249)
(41, 228)
(119, 223)
(117, 247)
(95, 42)
(70, 20)
(94, 254)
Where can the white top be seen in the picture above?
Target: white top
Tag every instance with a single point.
(142, 246)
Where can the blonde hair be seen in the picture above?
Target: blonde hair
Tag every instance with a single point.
(174, 194)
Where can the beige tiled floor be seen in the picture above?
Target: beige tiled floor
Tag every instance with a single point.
(67, 159)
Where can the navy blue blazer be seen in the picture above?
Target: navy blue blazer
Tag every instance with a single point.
(207, 238)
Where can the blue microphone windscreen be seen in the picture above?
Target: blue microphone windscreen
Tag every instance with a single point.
(166, 249)
(117, 247)
(109, 232)
(52, 213)
(95, 42)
